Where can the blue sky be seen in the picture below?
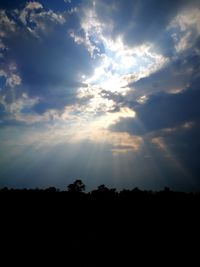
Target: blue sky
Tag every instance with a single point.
(107, 92)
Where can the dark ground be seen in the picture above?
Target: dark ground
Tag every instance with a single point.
(98, 228)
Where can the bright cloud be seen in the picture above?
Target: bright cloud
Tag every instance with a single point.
(186, 26)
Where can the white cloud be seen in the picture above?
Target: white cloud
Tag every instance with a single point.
(3, 73)
(15, 111)
(84, 41)
(117, 60)
(184, 42)
(19, 104)
(119, 65)
(41, 19)
(11, 76)
(6, 24)
(30, 6)
(188, 18)
(186, 27)
(124, 65)
(143, 99)
(93, 32)
(33, 5)
(97, 131)
(44, 22)
(13, 80)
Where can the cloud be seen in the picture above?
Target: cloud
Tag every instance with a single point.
(135, 22)
(13, 80)
(175, 76)
(185, 29)
(187, 19)
(163, 110)
(33, 5)
(7, 26)
(11, 76)
(19, 110)
(49, 65)
(58, 61)
(30, 7)
(180, 145)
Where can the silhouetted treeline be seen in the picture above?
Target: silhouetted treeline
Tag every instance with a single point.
(74, 193)
(86, 228)
(103, 200)
(77, 190)
(104, 197)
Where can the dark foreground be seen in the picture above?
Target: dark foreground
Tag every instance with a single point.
(96, 228)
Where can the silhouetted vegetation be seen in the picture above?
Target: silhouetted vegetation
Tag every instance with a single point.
(101, 223)
(78, 187)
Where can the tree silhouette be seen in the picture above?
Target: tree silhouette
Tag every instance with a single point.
(76, 187)
(102, 188)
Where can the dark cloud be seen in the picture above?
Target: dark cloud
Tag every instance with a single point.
(163, 110)
(141, 21)
(170, 126)
(178, 164)
(185, 146)
(177, 75)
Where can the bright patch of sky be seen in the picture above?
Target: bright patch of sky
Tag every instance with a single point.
(118, 66)
(116, 59)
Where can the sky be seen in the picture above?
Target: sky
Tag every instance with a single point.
(103, 91)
